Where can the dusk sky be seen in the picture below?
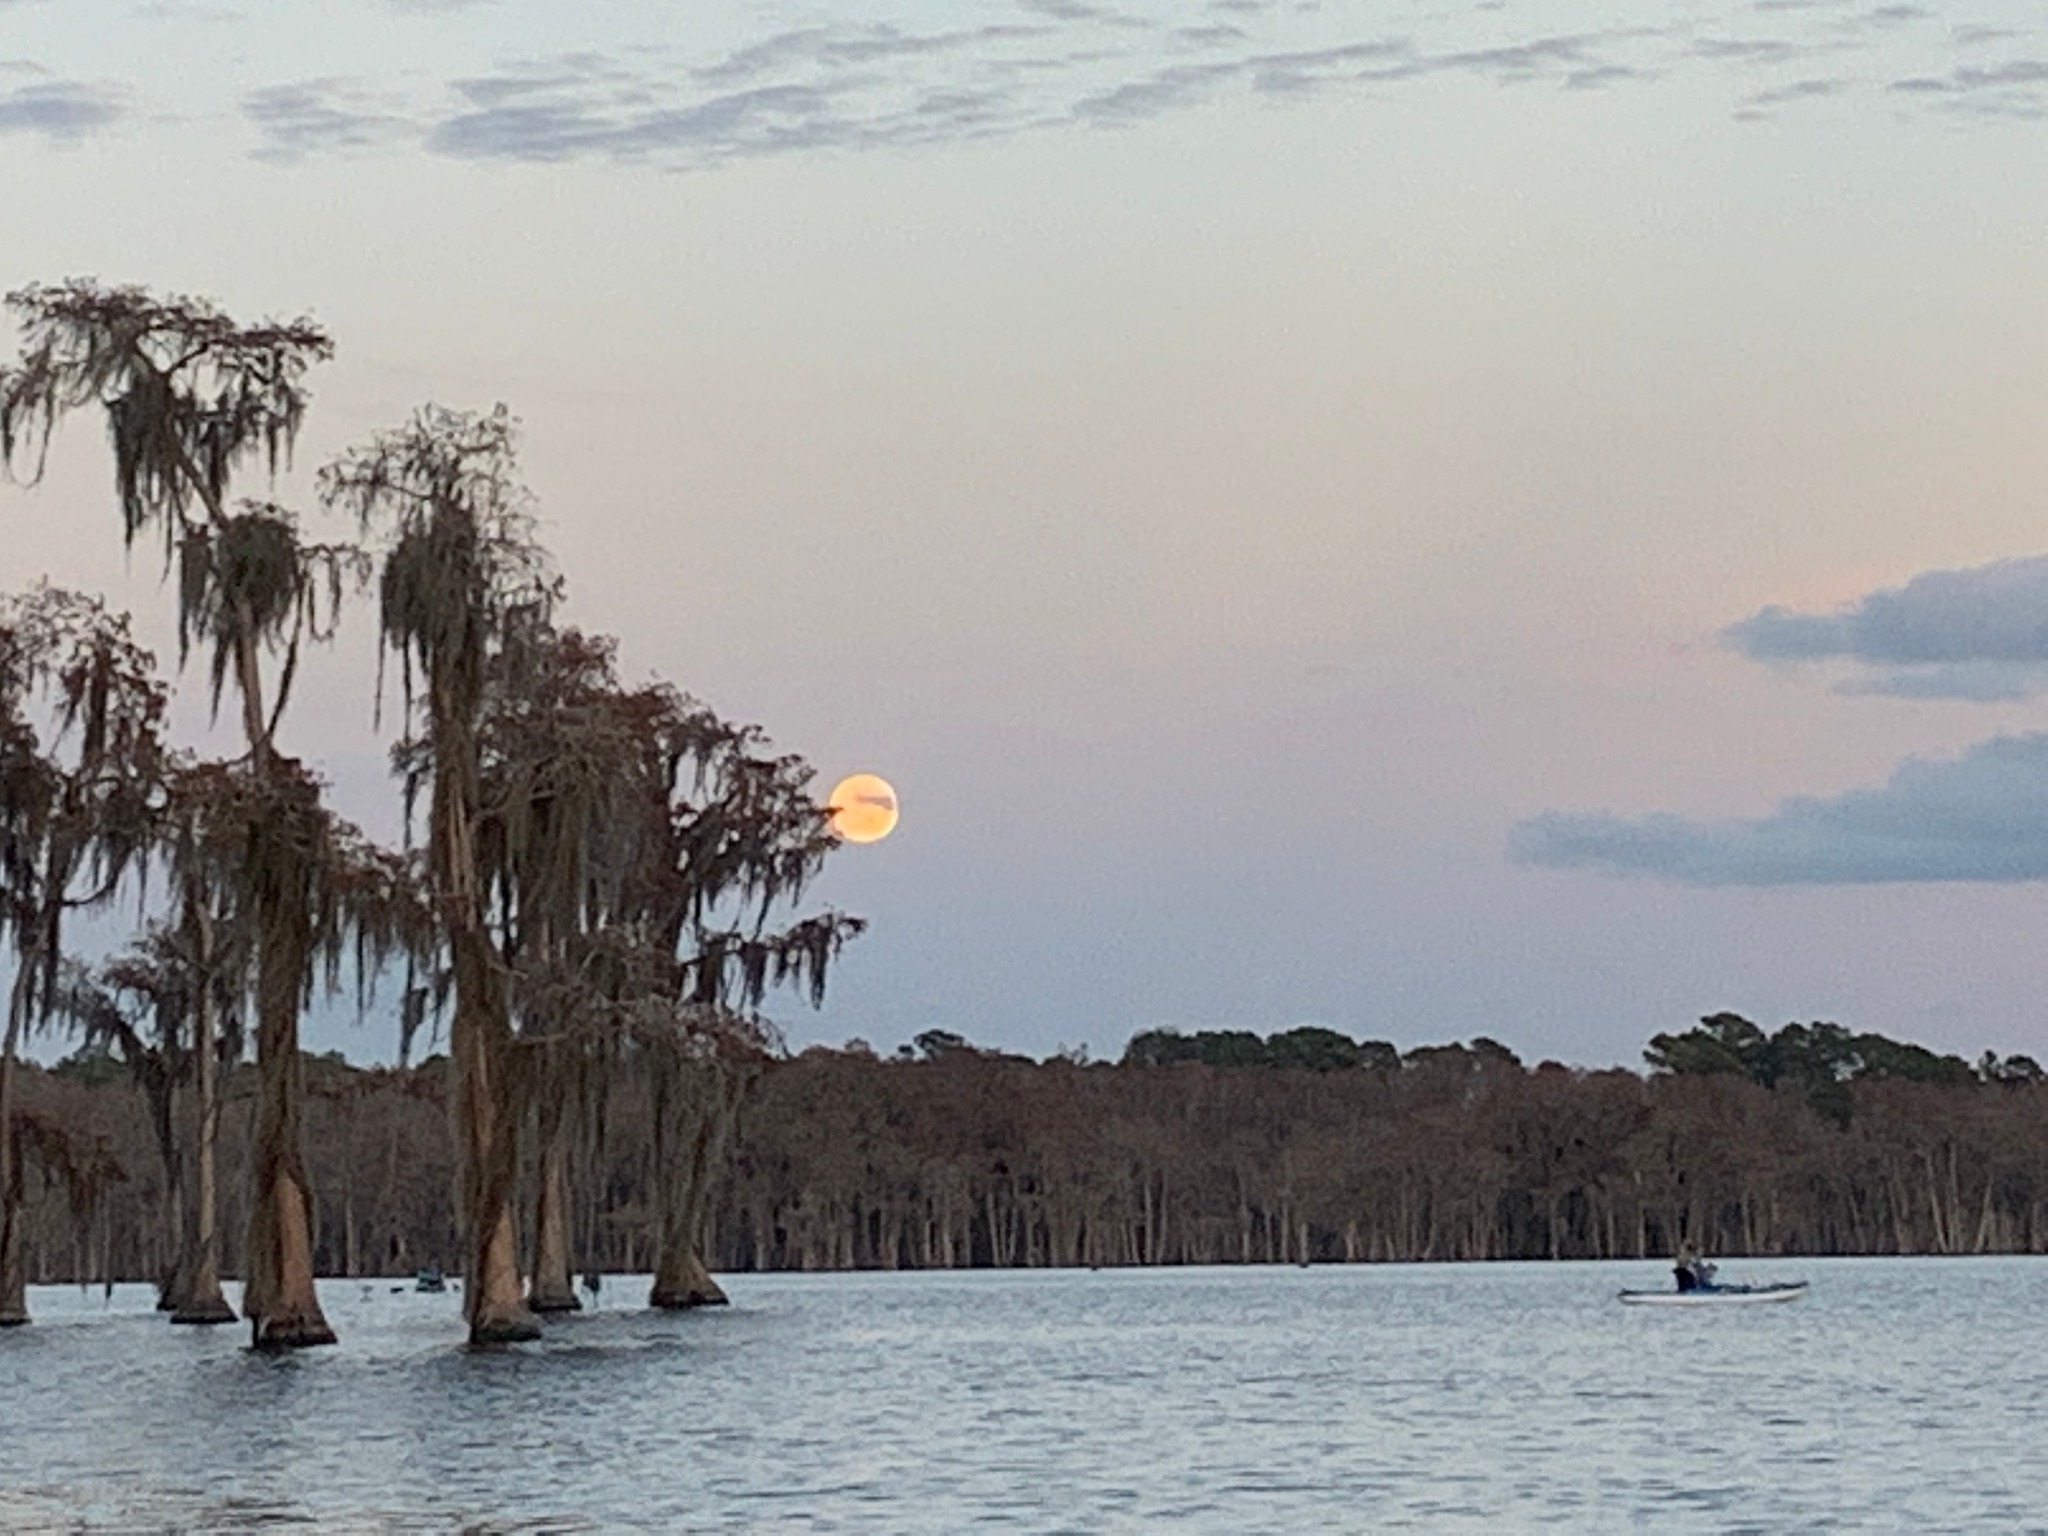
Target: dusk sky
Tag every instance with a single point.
(1515, 519)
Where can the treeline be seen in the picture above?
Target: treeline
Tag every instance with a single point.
(1194, 1149)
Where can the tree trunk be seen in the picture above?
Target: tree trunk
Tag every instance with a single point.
(13, 1273)
(493, 1300)
(553, 1286)
(279, 1299)
(683, 1175)
(170, 1271)
(201, 1300)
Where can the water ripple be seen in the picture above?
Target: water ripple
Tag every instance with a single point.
(1412, 1397)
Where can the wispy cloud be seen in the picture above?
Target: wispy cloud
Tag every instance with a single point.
(1979, 817)
(997, 67)
(61, 110)
(320, 117)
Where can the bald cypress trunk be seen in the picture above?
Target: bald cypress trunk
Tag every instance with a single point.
(200, 1300)
(13, 1180)
(553, 1286)
(279, 1300)
(480, 1035)
(13, 1273)
(685, 1156)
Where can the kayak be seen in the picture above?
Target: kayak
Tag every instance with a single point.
(1718, 1295)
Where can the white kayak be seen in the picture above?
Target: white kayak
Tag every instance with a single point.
(1718, 1295)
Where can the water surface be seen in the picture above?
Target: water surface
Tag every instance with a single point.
(1903, 1393)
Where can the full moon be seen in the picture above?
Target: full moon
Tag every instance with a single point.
(863, 808)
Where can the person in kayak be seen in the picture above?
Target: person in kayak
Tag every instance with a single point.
(1692, 1272)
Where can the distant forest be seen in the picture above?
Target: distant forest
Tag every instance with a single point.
(1218, 1147)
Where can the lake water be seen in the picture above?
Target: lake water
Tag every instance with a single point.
(1901, 1394)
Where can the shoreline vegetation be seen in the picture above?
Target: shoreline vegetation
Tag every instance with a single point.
(1212, 1148)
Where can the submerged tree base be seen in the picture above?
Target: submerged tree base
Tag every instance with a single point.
(281, 1333)
(206, 1310)
(13, 1319)
(690, 1285)
(553, 1301)
(515, 1328)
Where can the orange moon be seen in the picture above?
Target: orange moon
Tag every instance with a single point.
(863, 808)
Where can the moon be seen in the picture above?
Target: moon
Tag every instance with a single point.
(863, 808)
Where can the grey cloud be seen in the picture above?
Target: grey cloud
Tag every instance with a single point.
(1520, 58)
(2012, 89)
(1749, 50)
(64, 110)
(531, 133)
(1279, 73)
(1219, 35)
(1798, 90)
(1065, 10)
(835, 47)
(1166, 88)
(1943, 628)
(1976, 682)
(1980, 817)
(534, 77)
(768, 117)
(2017, 72)
(771, 53)
(1601, 75)
(839, 84)
(318, 116)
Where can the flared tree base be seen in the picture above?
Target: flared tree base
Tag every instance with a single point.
(282, 1333)
(205, 1310)
(13, 1319)
(553, 1301)
(510, 1328)
(692, 1288)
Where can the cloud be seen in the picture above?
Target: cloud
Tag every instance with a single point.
(1979, 633)
(63, 110)
(1797, 90)
(1066, 10)
(822, 47)
(2016, 88)
(1001, 67)
(1980, 817)
(1600, 76)
(1170, 87)
(319, 116)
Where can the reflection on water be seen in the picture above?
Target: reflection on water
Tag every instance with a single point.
(1901, 1393)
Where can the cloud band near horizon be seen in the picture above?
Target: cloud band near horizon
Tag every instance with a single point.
(1981, 817)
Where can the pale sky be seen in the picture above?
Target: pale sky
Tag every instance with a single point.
(1519, 519)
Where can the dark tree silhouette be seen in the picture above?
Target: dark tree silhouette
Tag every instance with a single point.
(190, 397)
(82, 761)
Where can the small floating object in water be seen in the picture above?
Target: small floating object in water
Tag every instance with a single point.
(430, 1279)
(1718, 1295)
